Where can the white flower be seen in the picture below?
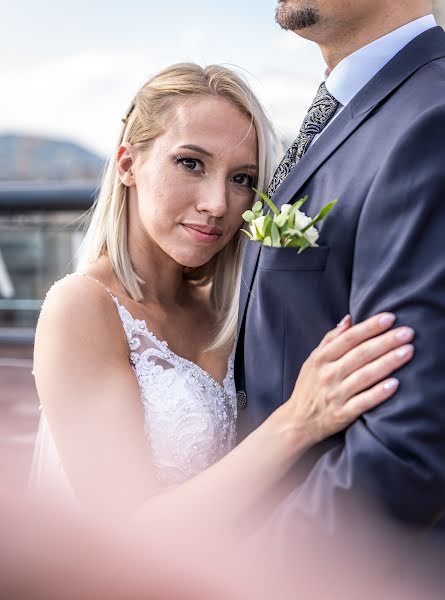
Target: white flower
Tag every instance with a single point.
(301, 220)
(312, 236)
(285, 227)
(257, 227)
(259, 224)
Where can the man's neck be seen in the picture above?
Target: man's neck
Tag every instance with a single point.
(336, 49)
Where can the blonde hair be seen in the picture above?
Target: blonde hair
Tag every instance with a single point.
(145, 120)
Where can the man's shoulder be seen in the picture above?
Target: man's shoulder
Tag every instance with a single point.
(428, 82)
(422, 95)
(416, 76)
(436, 71)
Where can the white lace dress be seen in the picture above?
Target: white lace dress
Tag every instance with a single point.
(189, 418)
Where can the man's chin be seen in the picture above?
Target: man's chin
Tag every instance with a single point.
(296, 19)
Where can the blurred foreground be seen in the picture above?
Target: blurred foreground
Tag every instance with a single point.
(18, 414)
(49, 551)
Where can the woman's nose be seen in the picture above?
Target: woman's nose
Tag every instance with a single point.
(213, 199)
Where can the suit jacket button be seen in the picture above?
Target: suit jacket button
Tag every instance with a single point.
(241, 398)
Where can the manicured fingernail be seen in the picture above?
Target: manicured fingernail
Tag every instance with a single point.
(344, 321)
(391, 384)
(405, 335)
(387, 319)
(404, 350)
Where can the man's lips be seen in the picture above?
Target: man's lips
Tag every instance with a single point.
(203, 233)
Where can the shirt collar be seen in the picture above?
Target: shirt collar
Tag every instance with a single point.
(357, 69)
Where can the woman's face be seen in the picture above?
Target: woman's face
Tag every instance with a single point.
(192, 185)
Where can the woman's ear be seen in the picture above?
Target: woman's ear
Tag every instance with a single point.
(125, 164)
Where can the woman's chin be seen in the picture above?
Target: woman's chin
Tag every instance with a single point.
(193, 255)
(193, 262)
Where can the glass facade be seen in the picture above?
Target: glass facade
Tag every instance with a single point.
(36, 249)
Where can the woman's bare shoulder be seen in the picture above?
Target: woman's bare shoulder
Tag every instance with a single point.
(79, 309)
(76, 296)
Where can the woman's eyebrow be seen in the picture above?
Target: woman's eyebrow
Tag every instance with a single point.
(197, 149)
(249, 167)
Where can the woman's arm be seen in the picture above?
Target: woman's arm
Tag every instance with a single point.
(91, 397)
(92, 401)
(343, 378)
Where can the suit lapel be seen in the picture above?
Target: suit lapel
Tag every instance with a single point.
(425, 48)
(320, 151)
(249, 268)
(335, 134)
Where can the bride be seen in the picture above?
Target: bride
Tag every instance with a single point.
(134, 352)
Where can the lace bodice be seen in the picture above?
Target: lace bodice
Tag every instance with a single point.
(189, 418)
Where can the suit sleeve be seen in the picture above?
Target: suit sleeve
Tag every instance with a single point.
(395, 454)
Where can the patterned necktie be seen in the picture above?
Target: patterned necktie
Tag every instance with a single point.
(319, 114)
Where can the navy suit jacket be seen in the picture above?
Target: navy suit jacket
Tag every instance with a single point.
(381, 249)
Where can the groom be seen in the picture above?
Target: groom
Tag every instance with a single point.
(376, 142)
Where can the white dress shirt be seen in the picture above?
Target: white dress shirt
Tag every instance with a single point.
(357, 69)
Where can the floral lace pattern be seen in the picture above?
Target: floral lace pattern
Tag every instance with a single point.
(190, 419)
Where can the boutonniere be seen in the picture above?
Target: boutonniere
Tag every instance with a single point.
(289, 227)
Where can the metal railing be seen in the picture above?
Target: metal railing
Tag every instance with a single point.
(40, 230)
(46, 196)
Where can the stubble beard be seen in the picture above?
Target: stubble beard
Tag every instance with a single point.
(295, 19)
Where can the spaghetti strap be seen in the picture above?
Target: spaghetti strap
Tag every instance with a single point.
(97, 281)
(120, 308)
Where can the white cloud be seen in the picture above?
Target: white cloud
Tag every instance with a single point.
(78, 97)
(82, 95)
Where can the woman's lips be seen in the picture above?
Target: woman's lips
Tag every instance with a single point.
(203, 233)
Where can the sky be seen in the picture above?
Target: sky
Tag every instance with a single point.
(70, 68)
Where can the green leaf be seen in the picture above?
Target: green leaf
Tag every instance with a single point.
(267, 225)
(248, 216)
(286, 241)
(284, 229)
(294, 233)
(321, 215)
(255, 233)
(294, 242)
(294, 209)
(247, 233)
(300, 202)
(267, 241)
(268, 201)
(257, 207)
(276, 238)
(305, 244)
(291, 219)
(281, 219)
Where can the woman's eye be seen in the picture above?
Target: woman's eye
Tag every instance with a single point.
(243, 179)
(192, 164)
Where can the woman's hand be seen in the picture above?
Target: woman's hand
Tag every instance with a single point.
(346, 375)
